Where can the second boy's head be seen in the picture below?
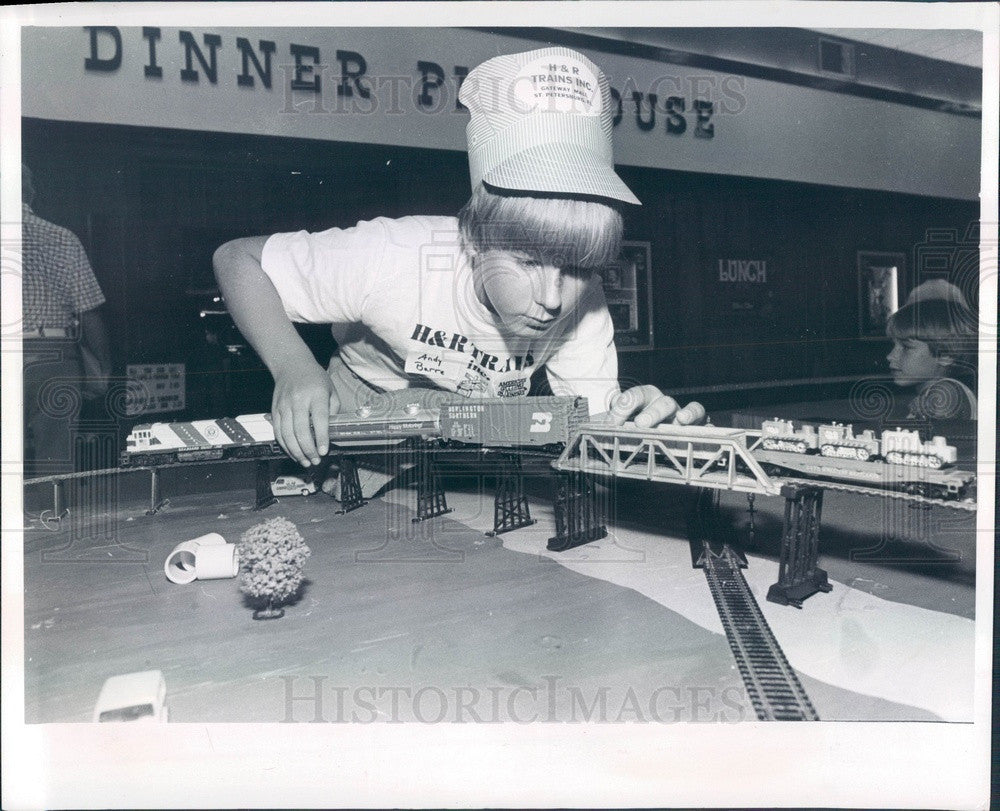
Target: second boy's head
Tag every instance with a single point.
(544, 211)
(931, 339)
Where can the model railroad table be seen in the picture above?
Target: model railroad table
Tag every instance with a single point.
(434, 621)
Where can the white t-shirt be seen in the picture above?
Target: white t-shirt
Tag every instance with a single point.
(399, 294)
(943, 399)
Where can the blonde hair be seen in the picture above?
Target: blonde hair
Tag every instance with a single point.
(937, 289)
(558, 231)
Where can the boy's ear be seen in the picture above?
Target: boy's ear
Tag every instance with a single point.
(945, 360)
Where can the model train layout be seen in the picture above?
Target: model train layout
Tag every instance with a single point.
(895, 460)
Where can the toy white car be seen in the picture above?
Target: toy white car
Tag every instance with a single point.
(292, 486)
(133, 697)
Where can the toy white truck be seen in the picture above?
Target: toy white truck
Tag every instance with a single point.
(292, 486)
(133, 697)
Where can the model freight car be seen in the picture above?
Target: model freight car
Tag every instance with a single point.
(897, 460)
(535, 421)
(529, 422)
(366, 428)
(897, 446)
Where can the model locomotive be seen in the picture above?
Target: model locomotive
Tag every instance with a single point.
(249, 436)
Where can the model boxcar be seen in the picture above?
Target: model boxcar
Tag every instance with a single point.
(533, 421)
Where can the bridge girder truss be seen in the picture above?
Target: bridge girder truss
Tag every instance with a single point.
(691, 455)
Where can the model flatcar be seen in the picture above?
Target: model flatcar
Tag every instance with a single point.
(897, 446)
(896, 460)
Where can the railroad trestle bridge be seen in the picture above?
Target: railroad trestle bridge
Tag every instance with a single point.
(702, 456)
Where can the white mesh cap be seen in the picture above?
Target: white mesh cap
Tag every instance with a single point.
(542, 122)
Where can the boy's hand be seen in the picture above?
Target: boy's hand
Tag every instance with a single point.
(653, 407)
(300, 411)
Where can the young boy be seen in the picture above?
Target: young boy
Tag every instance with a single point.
(473, 305)
(932, 340)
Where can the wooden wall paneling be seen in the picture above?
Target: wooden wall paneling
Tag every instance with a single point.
(151, 206)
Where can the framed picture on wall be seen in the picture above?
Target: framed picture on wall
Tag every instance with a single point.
(628, 290)
(878, 290)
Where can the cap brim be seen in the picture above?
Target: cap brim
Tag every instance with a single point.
(560, 169)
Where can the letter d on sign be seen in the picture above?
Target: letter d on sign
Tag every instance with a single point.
(94, 61)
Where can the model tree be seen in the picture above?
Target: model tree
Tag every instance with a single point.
(272, 555)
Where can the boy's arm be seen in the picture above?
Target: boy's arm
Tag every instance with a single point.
(303, 394)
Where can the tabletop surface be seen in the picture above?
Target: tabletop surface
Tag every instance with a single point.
(433, 621)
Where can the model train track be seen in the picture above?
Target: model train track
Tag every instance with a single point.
(536, 454)
(879, 492)
(772, 685)
(114, 471)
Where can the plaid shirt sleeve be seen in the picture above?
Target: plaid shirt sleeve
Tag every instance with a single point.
(82, 290)
(58, 280)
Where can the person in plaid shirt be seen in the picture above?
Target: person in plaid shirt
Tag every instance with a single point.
(65, 346)
(472, 304)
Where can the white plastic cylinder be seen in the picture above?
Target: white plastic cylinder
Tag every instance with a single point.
(179, 567)
(206, 557)
(211, 539)
(213, 562)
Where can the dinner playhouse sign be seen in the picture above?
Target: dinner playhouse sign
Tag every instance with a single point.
(332, 75)
(399, 87)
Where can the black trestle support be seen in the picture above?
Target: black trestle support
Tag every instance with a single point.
(579, 519)
(798, 575)
(431, 501)
(264, 498)
(350, 485)
(510, 505)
